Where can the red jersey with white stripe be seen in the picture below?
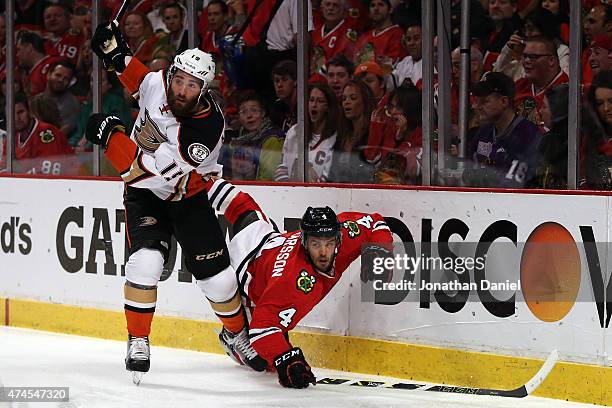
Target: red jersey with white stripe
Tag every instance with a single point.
(43, 150)
(338, 40)
(67, 46)
(282, 286)
(528, 102)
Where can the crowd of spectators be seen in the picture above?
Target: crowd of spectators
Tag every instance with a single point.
(364, 87)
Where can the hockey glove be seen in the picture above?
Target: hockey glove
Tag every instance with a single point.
(373, 265)
(110, 46)
(101, 126)
(293, 371)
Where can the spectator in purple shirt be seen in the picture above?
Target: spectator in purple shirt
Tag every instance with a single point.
(505, 147)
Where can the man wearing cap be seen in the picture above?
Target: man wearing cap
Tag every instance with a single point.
(504, 149)
(600, 53)
(372, 75)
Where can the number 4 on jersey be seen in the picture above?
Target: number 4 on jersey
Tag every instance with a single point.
(286, 316)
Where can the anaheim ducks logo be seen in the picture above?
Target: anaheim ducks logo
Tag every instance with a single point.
(148, 136)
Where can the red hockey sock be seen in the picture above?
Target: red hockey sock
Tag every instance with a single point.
(138, 324)
(233, 323)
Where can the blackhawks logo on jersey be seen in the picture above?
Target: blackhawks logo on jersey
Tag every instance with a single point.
(352, 227)
(305, 282)
(147, 135)
(46, 136)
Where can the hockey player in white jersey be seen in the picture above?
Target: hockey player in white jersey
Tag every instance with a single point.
(177, 135)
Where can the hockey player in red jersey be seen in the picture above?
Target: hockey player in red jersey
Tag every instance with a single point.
(174, 145)
(283, 276)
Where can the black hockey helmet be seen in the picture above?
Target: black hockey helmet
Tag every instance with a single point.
(320, 222)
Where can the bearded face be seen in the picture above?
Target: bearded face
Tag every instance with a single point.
(184, 93)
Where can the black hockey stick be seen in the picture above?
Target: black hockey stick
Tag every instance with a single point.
(519, 392)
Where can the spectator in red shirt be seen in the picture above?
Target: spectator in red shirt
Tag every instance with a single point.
(217, 27)
(334, 36)
(40, 148)
(61, 39)
(401, 163)
(381, 43)
(542, 72)
(30, 52)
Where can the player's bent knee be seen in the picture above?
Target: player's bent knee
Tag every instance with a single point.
(145, 267)
(221, 287)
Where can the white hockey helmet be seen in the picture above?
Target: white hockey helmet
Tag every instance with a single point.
(194, 62)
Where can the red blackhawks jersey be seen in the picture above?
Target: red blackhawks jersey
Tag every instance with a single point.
(375, 46)
(282, 286)
(338, 40)
(166, 154)
(42, 150)
(35, 81)
(67, 46)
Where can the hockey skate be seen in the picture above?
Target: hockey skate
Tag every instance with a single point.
(239, 348)
(138, 357)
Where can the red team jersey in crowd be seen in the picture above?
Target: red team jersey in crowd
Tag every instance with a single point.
(373, 46)
(44, 150)
(339, 40)
(526, 96)
(284, 287)
(36, 79)
(67, 46)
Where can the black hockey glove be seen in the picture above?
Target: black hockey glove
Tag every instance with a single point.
(110, 46)
(101, 126)
(372, 264)
(293, 371)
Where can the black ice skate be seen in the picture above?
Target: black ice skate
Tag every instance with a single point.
(239, 348)
(138, 357)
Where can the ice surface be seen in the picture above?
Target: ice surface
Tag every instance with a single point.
(95, 372)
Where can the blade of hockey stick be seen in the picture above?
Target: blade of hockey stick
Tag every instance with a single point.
(519, 392)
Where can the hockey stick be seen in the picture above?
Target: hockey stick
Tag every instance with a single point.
(519, 392)
(120, 12)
